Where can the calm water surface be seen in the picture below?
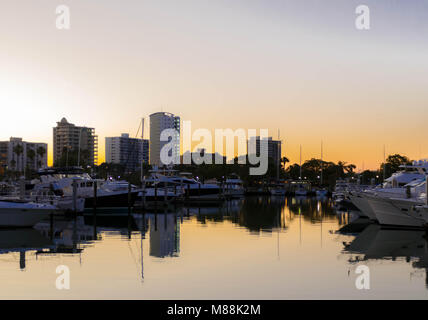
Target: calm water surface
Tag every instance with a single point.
(256, 248)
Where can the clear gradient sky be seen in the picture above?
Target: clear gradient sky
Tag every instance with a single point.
(298, 66)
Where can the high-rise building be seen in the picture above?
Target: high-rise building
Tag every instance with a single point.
(19, 155)
(273, 149)
(129, 152)
(68, 138)
(159, 122)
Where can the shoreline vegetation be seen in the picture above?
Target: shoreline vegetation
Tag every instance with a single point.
(311, 171)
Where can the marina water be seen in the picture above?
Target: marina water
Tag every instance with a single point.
(253, 248)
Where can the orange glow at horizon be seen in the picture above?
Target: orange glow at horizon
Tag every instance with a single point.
(274, 65)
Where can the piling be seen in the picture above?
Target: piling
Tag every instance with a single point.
(94, 202)
(143, 193)
(129, 199)
(22, 189)
(426, 190)
(156, 197)
(51, 231)
(74, 197)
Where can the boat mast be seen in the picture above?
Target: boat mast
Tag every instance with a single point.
(278, 157)
(142, 151)
(300, 178)
(384, 163)
(321, 163)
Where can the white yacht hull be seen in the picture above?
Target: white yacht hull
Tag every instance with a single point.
(420, 212)
(234, 192)
(278, 192)
(300, 193)
(14, 214)
(363, 205)
(389, 214)
(321, 193)
(68, 205)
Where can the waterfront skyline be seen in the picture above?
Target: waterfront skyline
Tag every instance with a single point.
(301, 68)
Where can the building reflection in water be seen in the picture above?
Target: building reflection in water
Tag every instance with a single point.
(164, 235)
(61, 236)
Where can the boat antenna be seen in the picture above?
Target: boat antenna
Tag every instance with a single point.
(300, 163)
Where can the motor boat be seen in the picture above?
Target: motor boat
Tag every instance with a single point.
(300, 191)
(277, 189)
(362, 203)
(23, 214)
(391, 203)
(63, 203)
(388, 213)
(110, 193)
(421, 212)
(321, 193)
(233, 187)
(393, 207)
(197, 192)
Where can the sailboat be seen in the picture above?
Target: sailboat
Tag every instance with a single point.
(300, 190)
(322, 192)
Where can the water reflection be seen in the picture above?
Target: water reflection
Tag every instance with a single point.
(158, 237)
(22, 240)
(376, 243)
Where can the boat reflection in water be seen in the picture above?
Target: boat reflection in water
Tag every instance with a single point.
(22, 241)
(376, 243)
(214, 252)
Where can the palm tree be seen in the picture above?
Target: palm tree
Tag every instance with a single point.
(13, 164)
(284, 161)
(343, 167)
(18, 150)
(350, 168)
(41, 151)
(31, 154)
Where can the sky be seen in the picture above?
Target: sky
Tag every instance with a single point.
(300, 67)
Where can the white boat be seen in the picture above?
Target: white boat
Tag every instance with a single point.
(234, 187)
(321, 193)
(421, 212)
(23, 214)
(63, 203)
(183, 186)
(362, 203)
(110, 193)
(389, 213)
(277, 191)
(300, 190)
(391, 203)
